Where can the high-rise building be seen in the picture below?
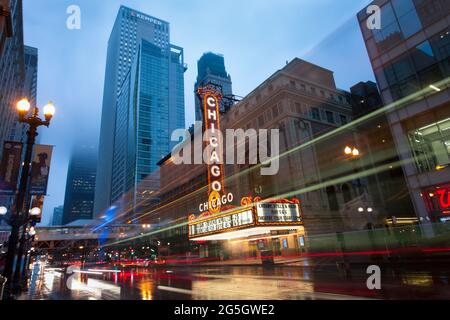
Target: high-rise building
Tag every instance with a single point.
(11, 64)
(410, 58)
(144, 82)
(57, 218)
(365, 98)
(211, 69)
(19, 130)
(80, 186)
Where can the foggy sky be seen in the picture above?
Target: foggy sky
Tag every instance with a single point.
(256, 37)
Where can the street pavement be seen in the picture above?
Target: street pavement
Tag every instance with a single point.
(221, 282)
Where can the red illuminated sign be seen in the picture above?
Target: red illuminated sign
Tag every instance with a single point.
(437, 199)
(444, 197)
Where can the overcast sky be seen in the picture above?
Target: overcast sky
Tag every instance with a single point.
(256, 37)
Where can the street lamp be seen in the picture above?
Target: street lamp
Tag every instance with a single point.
(20, 217)
(3, 211)
(32, 232)
(369, 210)
(348, 150)
(35, 211)
(353, 153)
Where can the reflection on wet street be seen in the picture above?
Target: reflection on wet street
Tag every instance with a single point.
(226, 283)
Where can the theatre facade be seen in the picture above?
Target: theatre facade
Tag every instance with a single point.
(226, 209)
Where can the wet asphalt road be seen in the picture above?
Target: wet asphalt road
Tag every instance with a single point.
(233, 283)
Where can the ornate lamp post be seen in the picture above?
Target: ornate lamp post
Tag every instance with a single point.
(353, 153)
(20, 216)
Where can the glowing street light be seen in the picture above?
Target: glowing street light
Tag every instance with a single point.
(348, 150)
(351, 151)
(35, 211)
(3, 211)
(23, 106)
(49, 111)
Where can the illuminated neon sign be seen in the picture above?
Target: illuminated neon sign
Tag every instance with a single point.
(444, 198)
(437, 199)
(211, 115)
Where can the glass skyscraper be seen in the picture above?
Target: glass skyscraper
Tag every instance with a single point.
(19, 130)
(80, 186)
(12, 68)
(211, 69)
(143, 103)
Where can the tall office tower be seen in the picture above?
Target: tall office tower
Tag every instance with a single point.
(211, 69)
(57, 218)
(157, 82)
(410, 57)
(80, 186)
(11, 64)
(19, 130)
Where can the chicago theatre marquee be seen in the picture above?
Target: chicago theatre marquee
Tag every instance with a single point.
(248, 222)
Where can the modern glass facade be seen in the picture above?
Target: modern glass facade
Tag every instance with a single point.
(57, 216)
(149, 108)
(80, 187)
(19, 130)
(12, 67)
(410, 56)
(211, 69)
(419, 65)
(164, 77)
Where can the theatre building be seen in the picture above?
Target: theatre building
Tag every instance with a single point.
(235, 208)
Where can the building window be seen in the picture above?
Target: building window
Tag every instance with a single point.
(292, 83)
(407, 17)
(346, 193)
(330, 117)
(390, 33)
(401, 77)
(332, 198)
(275, 111)
(315, 113)
(432, 10)
(430, 146)
(423, 56)
(441, 49)
(343, 119)
(261, 120)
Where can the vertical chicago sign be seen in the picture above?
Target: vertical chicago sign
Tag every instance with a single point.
(214, 149)
(218, 218)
